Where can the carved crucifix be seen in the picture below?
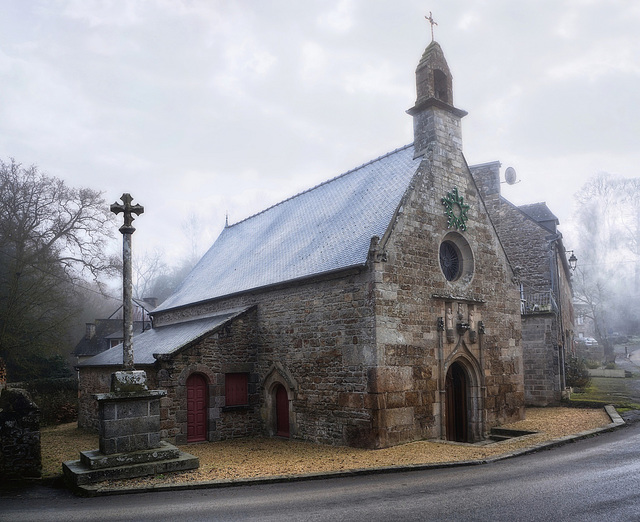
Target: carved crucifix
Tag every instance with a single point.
(128, 209)
(432, 22)
(127, 278)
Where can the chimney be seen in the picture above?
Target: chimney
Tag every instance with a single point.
(91, 331)
(487, 178)
(151, 301)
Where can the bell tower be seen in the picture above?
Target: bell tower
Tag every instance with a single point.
(436, 122)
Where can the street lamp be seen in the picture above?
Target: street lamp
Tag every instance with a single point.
(573, 260)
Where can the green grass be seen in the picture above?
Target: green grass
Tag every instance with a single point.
(606, 390)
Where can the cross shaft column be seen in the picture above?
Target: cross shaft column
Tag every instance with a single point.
(127, 230)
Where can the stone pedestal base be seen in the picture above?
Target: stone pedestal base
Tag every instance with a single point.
(129, 421)
(94, 466)
(130, 444)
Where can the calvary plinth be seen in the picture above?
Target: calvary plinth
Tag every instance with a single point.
(129, 415)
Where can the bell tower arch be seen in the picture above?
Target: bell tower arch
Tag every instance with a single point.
(435, 119)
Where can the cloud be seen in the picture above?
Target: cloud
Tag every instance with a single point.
(340, 18)
(616, 56)
(313, 62)
(237, 105)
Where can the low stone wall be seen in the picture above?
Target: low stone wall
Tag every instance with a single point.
(19, 436)
(600, 372)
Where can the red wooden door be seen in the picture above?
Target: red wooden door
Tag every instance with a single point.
(196, 408)
(282, 412)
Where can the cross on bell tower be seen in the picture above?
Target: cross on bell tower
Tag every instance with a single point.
(127, 275)
(432, 22)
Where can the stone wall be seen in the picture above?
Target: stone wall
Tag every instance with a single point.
(412, 294)
(19, 436)
(231, 349)
(542, 359)
(316, 338)
(93, 380)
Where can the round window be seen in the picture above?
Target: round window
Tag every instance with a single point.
(456, 258)
(450, 260)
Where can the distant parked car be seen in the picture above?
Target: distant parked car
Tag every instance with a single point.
(590, 341)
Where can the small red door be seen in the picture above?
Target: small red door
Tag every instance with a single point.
(196, 408)
(282, 412)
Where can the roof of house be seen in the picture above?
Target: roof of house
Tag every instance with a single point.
(164, 340)
(106, 329)
(324, 229)
(540, 213)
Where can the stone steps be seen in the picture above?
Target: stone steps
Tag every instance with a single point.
(501, 434)
(94, 466)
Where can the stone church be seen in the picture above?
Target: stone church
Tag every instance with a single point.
(374, 309)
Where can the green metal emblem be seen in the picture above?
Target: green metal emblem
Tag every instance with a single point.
(455, 210)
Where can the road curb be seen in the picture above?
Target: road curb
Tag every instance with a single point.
(98, 491)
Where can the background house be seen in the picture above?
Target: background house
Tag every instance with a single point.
(107, 333)
(534, 245)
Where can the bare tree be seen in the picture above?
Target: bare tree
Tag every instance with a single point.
(608, 217)
(192, 229)
(147, 269)
(51, 237)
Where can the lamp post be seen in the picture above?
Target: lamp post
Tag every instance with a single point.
(573, 260)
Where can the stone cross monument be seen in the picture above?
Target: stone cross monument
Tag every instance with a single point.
(127, 307)
(129, 415)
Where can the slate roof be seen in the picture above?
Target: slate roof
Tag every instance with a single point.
(324, 229)
(112, 328)
(541, 214)
(106, 329)
(164, 340)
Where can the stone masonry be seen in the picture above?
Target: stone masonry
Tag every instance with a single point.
(19, 436)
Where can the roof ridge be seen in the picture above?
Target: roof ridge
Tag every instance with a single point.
(322, 184)
(532, 204)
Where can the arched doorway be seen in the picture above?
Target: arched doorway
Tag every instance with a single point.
(282, 411)
(457, 394)
(196, 408)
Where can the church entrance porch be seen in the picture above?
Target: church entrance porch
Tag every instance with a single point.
(196, 408)
(457, 400)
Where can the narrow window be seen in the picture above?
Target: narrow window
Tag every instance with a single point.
(440, 86)
(236, 387)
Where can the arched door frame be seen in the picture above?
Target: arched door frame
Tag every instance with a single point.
(474, 398)
(278, 376)
(181, 398)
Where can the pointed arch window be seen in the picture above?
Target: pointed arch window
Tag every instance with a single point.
(440, 86)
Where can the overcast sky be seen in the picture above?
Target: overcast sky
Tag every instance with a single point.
(206, 107)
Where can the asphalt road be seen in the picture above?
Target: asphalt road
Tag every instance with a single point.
(593, 479)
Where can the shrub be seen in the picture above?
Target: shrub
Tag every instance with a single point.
(591, 364)
(576, 373)
(56, 398)
(610, 366)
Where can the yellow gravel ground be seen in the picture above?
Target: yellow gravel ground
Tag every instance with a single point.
(260, 457)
